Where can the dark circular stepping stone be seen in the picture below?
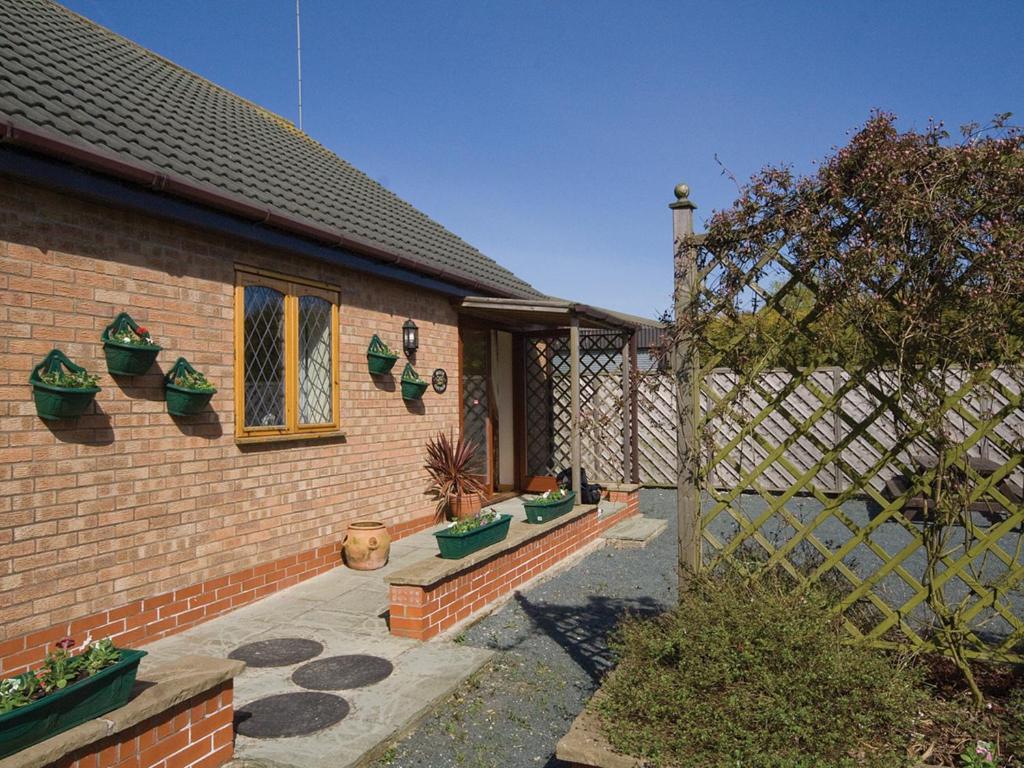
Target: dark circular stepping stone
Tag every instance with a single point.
(336, 672)
(280, 652)
(289, 714)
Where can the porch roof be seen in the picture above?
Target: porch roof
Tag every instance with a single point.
(535, 314)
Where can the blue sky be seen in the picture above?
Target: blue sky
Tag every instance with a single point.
(550, 134)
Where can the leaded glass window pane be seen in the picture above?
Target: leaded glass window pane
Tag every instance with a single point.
(264, 357)
(315, 364)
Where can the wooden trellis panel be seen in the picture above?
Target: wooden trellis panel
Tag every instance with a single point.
(548, 404)
(827, 474)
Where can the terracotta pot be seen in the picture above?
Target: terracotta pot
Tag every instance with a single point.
(367, 545)
(466, 506)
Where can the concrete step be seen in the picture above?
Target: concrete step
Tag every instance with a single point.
(634, 533)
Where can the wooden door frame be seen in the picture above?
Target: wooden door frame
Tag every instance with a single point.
(490, 481)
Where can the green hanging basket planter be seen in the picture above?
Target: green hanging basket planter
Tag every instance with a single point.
(413, 386)
(61, 389)
(186, 390)
(128, 346)
(379, 357)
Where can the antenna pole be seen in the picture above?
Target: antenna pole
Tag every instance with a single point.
(298, 54)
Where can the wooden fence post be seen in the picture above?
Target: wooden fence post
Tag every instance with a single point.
(574, 404)
(627, 412)
(685, 372)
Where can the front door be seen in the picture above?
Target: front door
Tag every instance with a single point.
(479, 424)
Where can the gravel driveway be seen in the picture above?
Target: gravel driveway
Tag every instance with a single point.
(552, 652)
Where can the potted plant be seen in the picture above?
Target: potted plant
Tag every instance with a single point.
(451, 481)
(379, 357)
(463, 537)
(67, 690)
(413, 386)
(61, 389)
(186, 390)
(129, 348)
(549, 505)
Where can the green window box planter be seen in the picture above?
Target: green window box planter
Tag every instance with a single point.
(59, 402)
(413, 386)
(379, 357)
(85, 700)
(457, 545)
(186, 400)
(543, 510)
(123, 358)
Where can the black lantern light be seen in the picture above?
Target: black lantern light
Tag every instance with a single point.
(410, 337)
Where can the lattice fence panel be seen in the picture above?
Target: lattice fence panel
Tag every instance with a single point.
(829, 475)
(548, 401)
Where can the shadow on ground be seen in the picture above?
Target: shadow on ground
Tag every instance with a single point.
(582, 631)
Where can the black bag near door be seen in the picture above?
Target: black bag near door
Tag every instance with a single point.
(590, 493)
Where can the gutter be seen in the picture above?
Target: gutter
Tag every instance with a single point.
(22, 134)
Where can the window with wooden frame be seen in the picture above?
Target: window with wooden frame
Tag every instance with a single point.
(286, 357)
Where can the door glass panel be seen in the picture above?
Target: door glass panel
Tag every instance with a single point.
(315, 401)
(264, 357)
(476, 352)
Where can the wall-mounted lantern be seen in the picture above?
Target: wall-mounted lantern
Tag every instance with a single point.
(410, 337)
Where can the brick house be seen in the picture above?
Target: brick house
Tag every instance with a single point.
(128, 183)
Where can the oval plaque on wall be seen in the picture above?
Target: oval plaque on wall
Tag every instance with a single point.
(439, 380)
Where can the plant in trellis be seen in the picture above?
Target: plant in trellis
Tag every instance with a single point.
(901, 257)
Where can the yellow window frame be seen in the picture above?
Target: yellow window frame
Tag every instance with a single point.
(292, 289)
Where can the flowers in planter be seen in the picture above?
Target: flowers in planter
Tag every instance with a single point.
(128, 346)
(193, 380)
(472, 523)
(80, 379)
(61, 389)
(128, 335)
(60, 669)
(556, 495)
(186, 390)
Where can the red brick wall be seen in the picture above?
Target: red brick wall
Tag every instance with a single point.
(125, 504)
(197, 733)
(422, 613)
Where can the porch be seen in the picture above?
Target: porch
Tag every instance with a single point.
(546, 387)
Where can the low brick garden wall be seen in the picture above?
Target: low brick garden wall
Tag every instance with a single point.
(180, 716)
(431, 597)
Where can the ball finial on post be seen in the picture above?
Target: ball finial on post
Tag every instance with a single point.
(682, 191)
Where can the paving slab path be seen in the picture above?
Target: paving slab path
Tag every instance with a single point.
(549, 646)
(340, 613)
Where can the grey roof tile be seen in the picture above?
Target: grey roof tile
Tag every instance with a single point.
(62, 72)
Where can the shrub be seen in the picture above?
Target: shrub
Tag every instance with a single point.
(749, 674)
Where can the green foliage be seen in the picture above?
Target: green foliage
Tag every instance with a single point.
(904, 249)
(126, 334)
(450, 464)
(472, 523)
(750, 674)
(70, 379)
(60, 669)
(193, 380)
(551, 497)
